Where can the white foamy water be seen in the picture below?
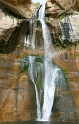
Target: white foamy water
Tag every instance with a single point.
(50, 70)
(32, 76)
(26, 41)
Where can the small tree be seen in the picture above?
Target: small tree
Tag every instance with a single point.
(37, 4)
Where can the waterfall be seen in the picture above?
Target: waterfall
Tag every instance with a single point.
(50, 70)
(26, 41)
(32, 66)
(32, 76)
(32, 33)
(48, 74)
(67, 31)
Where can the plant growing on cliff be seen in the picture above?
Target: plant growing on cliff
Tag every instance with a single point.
(63, 44)
(37, 4)
(63, 15)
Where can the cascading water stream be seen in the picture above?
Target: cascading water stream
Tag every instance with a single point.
(32, 68)
(50, 70)
(67, 31)
(32, 76)
(26, 41)
(48, 74)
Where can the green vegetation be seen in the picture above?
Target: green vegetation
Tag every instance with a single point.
(65, 72)
(64, 15)
(39, 59)
(37, 4)
(66, 75)
(24, 64)
(63, 44)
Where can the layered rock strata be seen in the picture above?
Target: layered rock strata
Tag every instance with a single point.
(55, 8)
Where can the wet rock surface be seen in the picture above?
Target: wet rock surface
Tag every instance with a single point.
(69, 61)
(17, 93)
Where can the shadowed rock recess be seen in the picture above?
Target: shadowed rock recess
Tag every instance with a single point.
(17, 91)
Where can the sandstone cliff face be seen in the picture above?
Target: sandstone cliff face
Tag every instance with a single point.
(57, 7)
(17, 93)
(22, 8)
(6, 23)
(17, 2)
(70, 28)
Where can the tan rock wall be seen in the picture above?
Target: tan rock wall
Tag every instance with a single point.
(16, 2)
(17, 92)
(57, 7)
